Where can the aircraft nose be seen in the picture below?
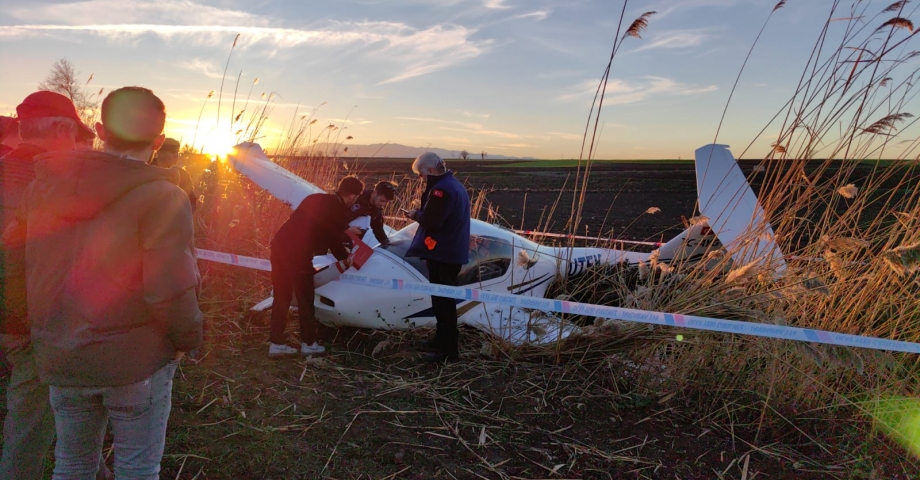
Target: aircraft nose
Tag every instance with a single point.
(347, 304)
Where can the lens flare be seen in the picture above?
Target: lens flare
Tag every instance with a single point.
(899, 418)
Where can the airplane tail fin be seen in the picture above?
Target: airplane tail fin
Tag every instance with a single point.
(732, 209)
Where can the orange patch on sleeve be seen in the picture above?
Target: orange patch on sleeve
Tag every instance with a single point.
(430, 243)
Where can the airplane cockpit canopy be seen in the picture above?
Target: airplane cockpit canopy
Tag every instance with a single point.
(490, 256)
(400, 241)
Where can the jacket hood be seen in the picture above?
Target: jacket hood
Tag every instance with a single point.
(79, 184)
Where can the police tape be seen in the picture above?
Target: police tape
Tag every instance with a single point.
(602, 311)
(641, 316)
(231, 259)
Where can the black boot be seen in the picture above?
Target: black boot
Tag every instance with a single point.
(430, 345)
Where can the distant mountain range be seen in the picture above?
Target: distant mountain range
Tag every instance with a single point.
(395, 150)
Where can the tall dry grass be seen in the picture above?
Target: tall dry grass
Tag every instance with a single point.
(841, 188)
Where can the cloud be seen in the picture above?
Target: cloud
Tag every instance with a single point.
(622, 92)
(409, 51)
(495, 4)
(560, 74)
(566, 136)
(446, 140)
(466, 127)
(482, 131)
(206, 68)
(581, 90)
(675, 39)
(538, 15)
(667, 7)
(89, 12)
(432, 49)
(422, 119)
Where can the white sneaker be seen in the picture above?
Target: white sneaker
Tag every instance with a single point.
(313, 349)
(277, 351)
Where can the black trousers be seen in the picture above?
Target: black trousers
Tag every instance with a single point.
(291, 278)
(446, 337)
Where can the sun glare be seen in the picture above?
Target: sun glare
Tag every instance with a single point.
(218, 142)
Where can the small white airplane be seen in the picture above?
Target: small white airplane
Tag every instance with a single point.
(501, 260)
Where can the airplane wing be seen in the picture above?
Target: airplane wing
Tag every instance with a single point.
(734, 212)
(249, 159)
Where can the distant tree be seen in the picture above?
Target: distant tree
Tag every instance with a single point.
(63, 79)
(484, 153)
(464, 154)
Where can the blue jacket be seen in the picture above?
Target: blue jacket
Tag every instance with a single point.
(443, 233)
(362, 207)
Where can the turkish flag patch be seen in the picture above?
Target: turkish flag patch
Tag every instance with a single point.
(438, 193)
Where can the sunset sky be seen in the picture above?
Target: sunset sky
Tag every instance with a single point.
(511, 77)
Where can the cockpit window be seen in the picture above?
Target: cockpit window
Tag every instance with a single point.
(490, 257)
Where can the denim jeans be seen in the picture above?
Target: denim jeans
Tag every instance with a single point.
(138, 414)
(29, 426)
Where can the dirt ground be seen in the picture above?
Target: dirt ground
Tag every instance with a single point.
(371, 410)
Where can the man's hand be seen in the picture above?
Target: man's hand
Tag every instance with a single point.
(178, 356)
(356, 231)
(410, 215)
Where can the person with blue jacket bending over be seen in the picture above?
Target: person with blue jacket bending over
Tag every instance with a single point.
(442, 240)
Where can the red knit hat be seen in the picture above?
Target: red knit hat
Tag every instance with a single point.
(51, 104)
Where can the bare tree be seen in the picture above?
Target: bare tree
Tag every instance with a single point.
(484, 153)
(464, 154)
(63, 79)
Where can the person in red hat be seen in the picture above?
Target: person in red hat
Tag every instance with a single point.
(47, 122)
(110, 260)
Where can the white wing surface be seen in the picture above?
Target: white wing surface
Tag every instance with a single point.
(249, 159)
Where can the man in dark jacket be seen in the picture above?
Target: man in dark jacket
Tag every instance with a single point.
(49, 123)
(317, 226)
(370, 203)
(168, 157)
(112, 285)
(442, 240)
